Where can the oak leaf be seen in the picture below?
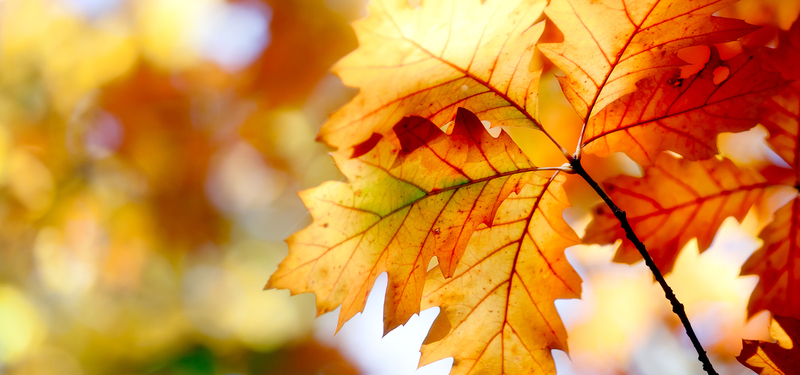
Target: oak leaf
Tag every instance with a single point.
(609, 45)
(780, 115)
(477, 204)
(787, 54)
(675, 201)
(430, 60)
(668, 112)
(401, 207)
(498, 315)
(777, 262)
(779, 358)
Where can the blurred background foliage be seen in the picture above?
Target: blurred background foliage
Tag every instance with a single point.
(150, 152)
(150, 155)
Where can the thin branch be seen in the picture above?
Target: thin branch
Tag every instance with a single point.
(677, 307)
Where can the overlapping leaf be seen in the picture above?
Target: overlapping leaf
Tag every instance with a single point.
(400, 208)
(415, 193)
(675, 201)
(498, 315)
(609, 45)
(787, 54)
(780, 115)
(430, 60)
(779, 358)
(684, 115)
(777, 262)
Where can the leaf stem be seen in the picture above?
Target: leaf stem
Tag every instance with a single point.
(566, 168)
(677, 307)
(580, 145)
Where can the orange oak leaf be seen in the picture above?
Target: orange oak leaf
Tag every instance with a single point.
(777, 262)
(780, 115)
(668, 112)
(609, 45)
(400, 208)
(785, 57)
(675, 201)
(430, 60)
(778, 358)
(497, 312)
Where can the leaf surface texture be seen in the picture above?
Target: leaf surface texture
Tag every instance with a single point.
(777, 262)
(778, 358)
(430, 60)
(609, 45)
(669, 113)
(676, 200)
(401, 207)
(498, 315)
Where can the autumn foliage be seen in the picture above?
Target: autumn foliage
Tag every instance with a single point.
(461, 219)
(779, 358)
(133, 163)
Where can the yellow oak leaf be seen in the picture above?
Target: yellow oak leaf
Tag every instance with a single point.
(675, 201)
(497, 312)
(430, 60)
(402, 206)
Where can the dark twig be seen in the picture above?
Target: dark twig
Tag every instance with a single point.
(677, 307)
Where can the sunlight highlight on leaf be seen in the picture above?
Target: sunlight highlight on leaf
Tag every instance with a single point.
(675, 201)
(609, 45)
(498, 315)
(777, 263)
(400, 208)
(430, 60)
(684, 115)
(780, 358)
(781, 116)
